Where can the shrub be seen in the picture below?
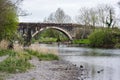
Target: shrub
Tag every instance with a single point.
(101, 38)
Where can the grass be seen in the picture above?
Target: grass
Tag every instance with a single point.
(42, 56)
(81, 41)
(42, 49)
(4, 52)
(45, 40)
(18, 59)
(16, 62)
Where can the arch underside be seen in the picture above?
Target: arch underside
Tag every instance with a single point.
(57, 28)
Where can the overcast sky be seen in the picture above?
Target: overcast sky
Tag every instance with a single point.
(39, 9)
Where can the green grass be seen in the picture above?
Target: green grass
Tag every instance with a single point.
(16, 62)
(42, 56)
(81, 41)
(5, 52)
(45, 40)
(48, 57)
(14, 65)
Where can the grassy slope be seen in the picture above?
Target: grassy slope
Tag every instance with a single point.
(18, 61)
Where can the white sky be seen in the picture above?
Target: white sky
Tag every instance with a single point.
(39, 9)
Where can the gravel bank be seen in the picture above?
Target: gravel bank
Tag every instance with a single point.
(48, 70)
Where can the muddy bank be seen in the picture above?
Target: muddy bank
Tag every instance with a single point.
(49, 70)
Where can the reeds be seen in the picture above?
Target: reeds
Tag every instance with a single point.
(42, 56)
(17, 60)
(4, 44)
(43, 49)
(18, 57)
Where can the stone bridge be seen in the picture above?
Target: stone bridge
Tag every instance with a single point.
(32, 29)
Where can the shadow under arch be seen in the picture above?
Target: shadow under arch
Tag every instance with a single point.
(56, 28)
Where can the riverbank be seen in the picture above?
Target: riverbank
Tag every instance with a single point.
(47, 70)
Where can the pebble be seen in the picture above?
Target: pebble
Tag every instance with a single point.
(47, 70)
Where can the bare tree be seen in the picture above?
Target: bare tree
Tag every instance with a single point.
(20, 11)
(102, 15)
(88, 18)
(106, 15)
(58, 17)
(93, 17)
(83, 17)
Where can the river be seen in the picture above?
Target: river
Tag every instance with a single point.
(105, 67)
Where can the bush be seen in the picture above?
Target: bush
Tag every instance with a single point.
(8, 19)
(101, 38)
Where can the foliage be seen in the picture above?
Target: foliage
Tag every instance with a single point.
(45, 40)
(81, 41)
(101, 38)
(50, 35)
(8, 19)
(5, 52)
(18, 61)
(17, 37)
(43, 56)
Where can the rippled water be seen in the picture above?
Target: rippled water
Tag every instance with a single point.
(96, 67)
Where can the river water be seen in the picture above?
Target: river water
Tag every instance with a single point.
(95, 67)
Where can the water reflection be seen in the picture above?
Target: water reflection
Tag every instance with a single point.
(103, 67)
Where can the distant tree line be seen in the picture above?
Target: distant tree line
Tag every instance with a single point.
(58, 16)
(102, 15)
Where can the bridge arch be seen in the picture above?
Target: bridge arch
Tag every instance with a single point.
(56, 28)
